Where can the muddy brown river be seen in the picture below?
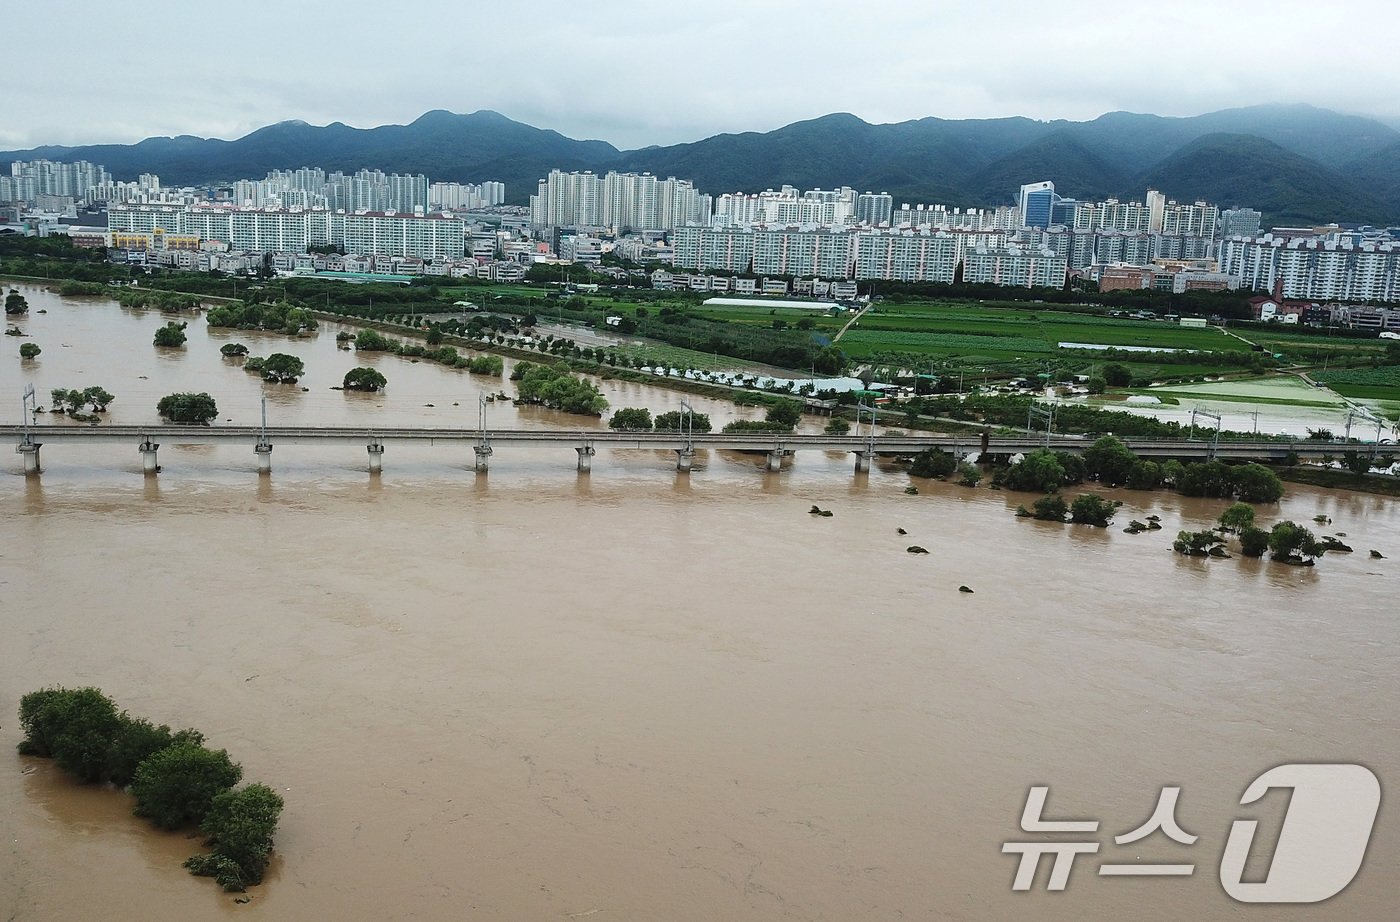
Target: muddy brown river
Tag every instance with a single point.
(635, 694)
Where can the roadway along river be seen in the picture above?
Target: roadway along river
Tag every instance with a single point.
(641, 695)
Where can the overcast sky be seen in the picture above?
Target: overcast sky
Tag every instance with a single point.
(80, 72)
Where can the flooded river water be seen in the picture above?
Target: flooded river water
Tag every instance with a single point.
(637, 694)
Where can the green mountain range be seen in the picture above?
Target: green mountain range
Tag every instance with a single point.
(1297, 164)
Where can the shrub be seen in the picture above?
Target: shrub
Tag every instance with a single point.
(187, 408)
(1040, 471)
(136, 741)
(233, 349)
(1237, 518)
(487, 365)
(933, 462)
(785, 413)
(837, 426)
(1255, 483)
(75, 727)
(1290, 542)
(1253, 541)
(1109, 461)
(1211, 478)
(1092, 509)
(1116, 375)
(1144, 475)
(969, 475)
(674, 420)
(633, 419)
(177, 785)
(172, 334)
(239, 827)
(282, 368)
(29, 350)
(1052, 508)
(364, 378)
(1196, 543)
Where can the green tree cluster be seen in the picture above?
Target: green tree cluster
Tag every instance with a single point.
(233, 350)
(280, 317)
(933, 462)
(1237, 518)
(1290, 542)
(632, 419)
(16, 303)
(281, 368)
(171, 335)
(364, 378)
(1092, 509)
(677, 421)
(29, 350)
(74, 401)
(555, 387)
(188, 408)
(1196, 543)
(175, 781)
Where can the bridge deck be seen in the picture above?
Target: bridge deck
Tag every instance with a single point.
(740, 441)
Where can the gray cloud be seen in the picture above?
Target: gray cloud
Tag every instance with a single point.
(637, 73)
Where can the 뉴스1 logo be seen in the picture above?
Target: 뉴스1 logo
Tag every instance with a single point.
(1320, 846)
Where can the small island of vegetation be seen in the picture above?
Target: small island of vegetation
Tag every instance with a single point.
(174, 779)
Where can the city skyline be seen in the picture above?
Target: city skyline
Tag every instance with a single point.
(635, 78)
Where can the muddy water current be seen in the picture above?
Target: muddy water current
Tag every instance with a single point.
(637, 694)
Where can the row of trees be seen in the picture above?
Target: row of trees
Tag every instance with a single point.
(554, 387)
(175, 780)
(279, 316)
(638, 419)
(1112, 463)
(1087, 509)
(374, 341)
(1287, 542)
(75, 401)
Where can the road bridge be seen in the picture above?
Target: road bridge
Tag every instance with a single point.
(586, 442)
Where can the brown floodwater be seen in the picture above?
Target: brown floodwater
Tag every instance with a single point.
(636, 694)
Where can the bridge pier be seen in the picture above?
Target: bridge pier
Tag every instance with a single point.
(483, 457)
(30, 452)
(149, 465)
(685, 459)
(775, 459)
(585, 457)
(862, 461)
(264, 452)
(376, 456)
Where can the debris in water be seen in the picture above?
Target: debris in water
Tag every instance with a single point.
(965, 589)
(902, 531)
(915, 549)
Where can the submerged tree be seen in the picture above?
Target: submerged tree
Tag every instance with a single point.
(364, 378)
(172, 334)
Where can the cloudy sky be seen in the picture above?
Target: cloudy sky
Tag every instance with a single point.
(78, 71)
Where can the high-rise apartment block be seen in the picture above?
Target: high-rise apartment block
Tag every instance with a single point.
(1317, 268)
(625, 201)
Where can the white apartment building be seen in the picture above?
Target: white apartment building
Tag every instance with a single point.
(820, 252)
(1014, 266)
(624, 201)
(726, 248)
(294, 230)
(1314, 268)
(908, 256)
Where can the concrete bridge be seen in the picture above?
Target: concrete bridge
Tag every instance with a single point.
(774, 445)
